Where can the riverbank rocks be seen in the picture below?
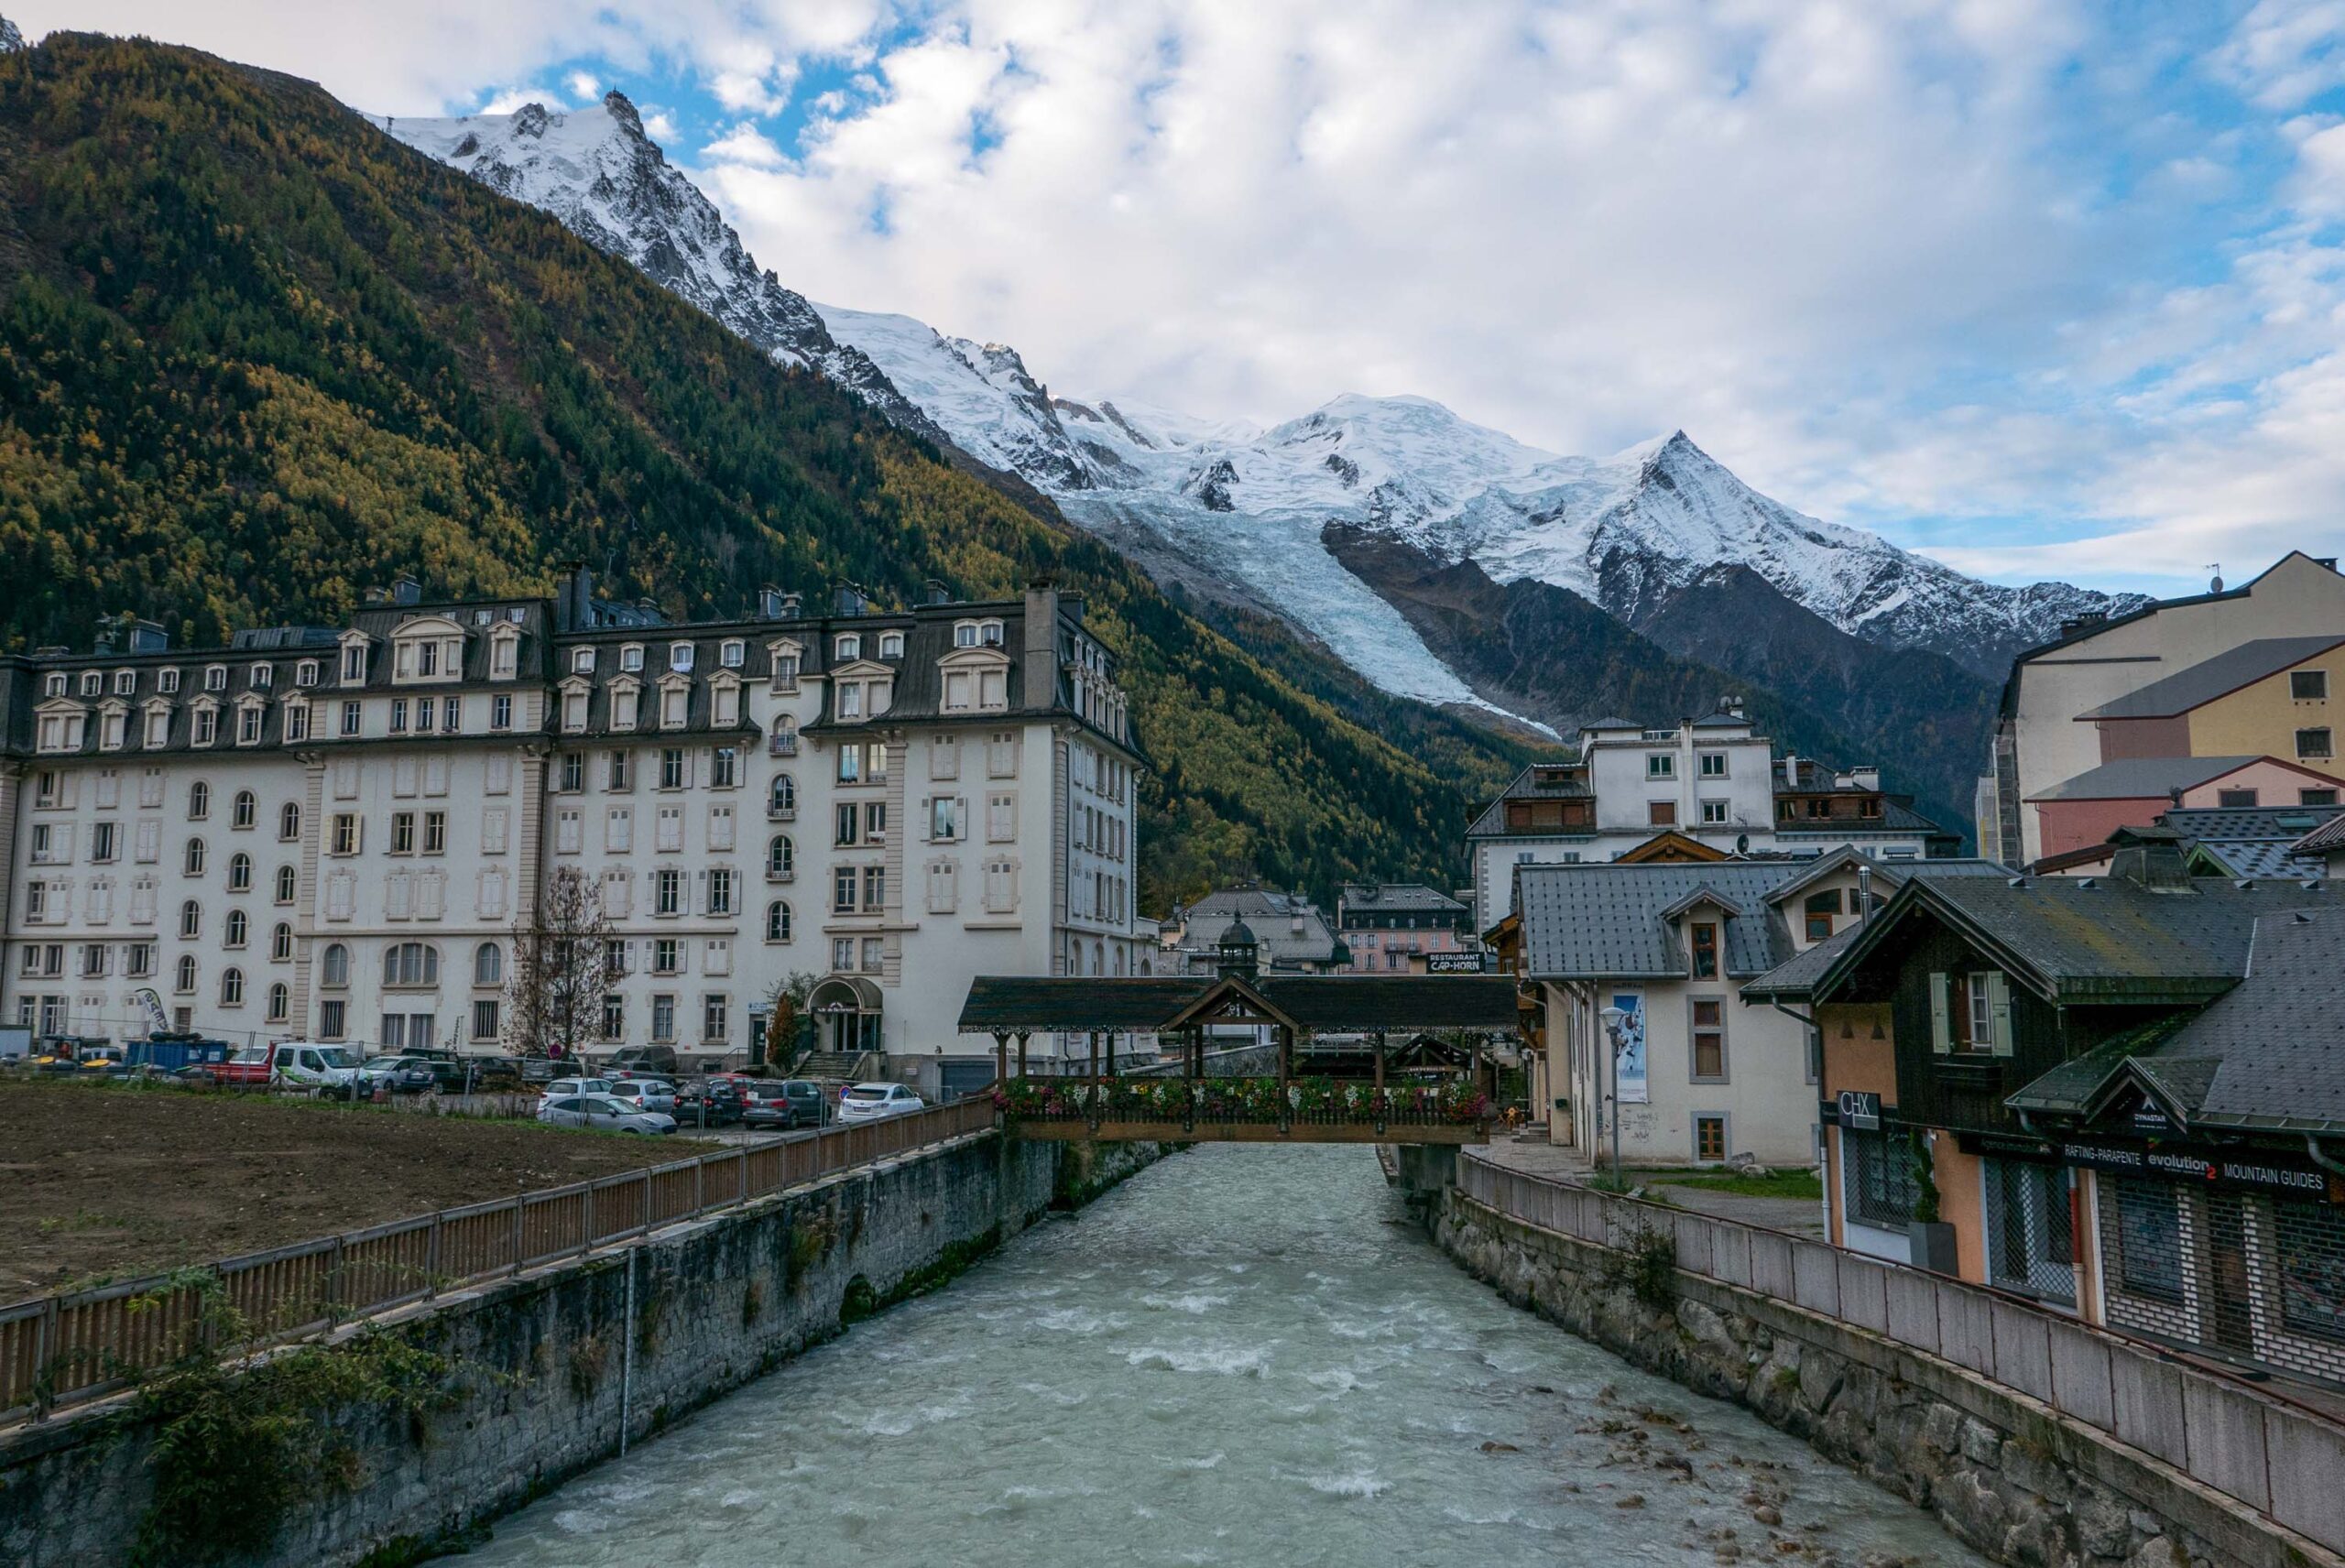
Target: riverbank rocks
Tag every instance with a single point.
(1994, 1469)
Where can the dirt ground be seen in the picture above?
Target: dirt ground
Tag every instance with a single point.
(100, 1183)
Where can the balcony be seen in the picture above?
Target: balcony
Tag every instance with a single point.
(781, 874)
(782, 746)
(781, 813)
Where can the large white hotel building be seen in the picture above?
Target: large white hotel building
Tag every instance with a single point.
(335, 832)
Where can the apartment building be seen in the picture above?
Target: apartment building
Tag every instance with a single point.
(2238, 675)
(1714, 780)
(1396, 928)
(337, 832)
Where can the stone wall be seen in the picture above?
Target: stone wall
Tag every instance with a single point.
(2003, 1472)
(545, 1362)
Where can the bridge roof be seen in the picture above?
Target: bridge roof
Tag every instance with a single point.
(1330, 1003)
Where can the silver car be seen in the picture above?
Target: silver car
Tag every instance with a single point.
(646, 1093)
(603, 1113)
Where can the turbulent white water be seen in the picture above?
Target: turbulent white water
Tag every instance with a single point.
(1233, 1358)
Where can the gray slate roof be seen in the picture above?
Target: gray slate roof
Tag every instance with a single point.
(1270, 915)
(2213, 678)
(1793, 979)
(1402, 898)
(2143, 778)
(1610, 921)
(2108, 940)
(2270, 1054)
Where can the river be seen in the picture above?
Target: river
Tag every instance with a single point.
(1241, 1356)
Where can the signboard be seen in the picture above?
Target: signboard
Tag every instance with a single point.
(1860, 1109)
(1630, 1084)
(2207, 1168)
(1454, 963)
(157, 1020)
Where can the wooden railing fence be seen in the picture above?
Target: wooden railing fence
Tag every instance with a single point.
(64, 1350)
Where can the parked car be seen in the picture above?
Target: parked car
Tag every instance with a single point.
(646, 1093)
(786, 1103)
(432, 1076)
(871, 1102)
(292, 1064)
(711, 1102)
(498, 1076)
(563, 1087)
(656, 1060)
(603, 1113)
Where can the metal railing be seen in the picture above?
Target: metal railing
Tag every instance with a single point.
(2276, 1456)
(65, 1350)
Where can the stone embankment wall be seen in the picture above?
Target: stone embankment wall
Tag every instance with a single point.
(544, 1363)
(2002, 1471)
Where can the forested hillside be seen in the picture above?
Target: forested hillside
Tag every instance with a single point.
(254, 356)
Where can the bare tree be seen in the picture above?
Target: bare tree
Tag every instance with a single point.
(561, 969)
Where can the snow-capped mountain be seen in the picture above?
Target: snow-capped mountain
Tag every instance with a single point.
(1239, 512)
(610, 184)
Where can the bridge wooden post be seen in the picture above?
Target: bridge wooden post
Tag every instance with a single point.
(1098, 1084)
(1000, 1055)
(1022, 1035)
(1286, 1041)
(1380, 1080)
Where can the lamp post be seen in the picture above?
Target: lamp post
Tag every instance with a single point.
(1613, 1019)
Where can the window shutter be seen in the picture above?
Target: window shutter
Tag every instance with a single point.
(1941, 1035)
(1999, 1011)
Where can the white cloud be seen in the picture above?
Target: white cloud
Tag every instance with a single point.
(583, 87)
(745, 145)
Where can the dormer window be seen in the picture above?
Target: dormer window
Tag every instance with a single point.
(848, 645)
(306, 673)
(249, 719)
(679, 656)
(891, 645)
(631, 657)
(55, 685)
(882, 693)
(574, 710)
(785, 656)
(851, 700)
(158, 726)
(989, 633)
(504, 652)
(626, 702)
(216, 678)
(93, 684)
(581, 662)
(166, 681)
(353, 662)
(731, 652)
(675, 704)
(264, 676)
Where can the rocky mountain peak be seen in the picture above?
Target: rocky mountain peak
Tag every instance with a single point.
(11, 41)
(623, 113)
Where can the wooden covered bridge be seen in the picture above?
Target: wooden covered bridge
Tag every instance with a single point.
(1363, 1014)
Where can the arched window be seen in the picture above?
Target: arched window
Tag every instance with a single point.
(281, 1003)
(411, 964)
(239, 927)
(335, 969)
(190, 919)
(488, 964)
(285, 885)
(245, 810)
(777, 921)
(1098, 959)
(240, 873)
(1119, 960)
(192, 860)
(289, 821)
(232, 988)
(280, 943)
(184, 981)
(782, 858)
(785, 733)
(783, 801)
(199, 801)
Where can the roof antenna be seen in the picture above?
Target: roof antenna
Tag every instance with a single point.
(2217, 586)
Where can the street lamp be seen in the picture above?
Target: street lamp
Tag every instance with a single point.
(1613, 1019)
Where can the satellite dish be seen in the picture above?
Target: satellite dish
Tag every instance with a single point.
(1742, 844)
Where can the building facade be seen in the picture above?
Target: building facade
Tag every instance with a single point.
(2064, 702)
(1714, 780)
(1397, 928)
(340, 833)
(1288, 934)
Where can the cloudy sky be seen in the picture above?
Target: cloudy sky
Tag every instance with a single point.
(2042, 288)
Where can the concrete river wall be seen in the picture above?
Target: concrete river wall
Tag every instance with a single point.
(2022, 1478)
(548, 1373)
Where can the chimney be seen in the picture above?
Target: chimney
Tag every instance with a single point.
(375, 596)
(1732, 705)
(574, 597)
(847, 599)
(2150, 858)
(790, 603)
(148, 637)
(1042, 643)
(405, 590)
(934, 592)
(1866, 778)
(770, 602)
(109, 631)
